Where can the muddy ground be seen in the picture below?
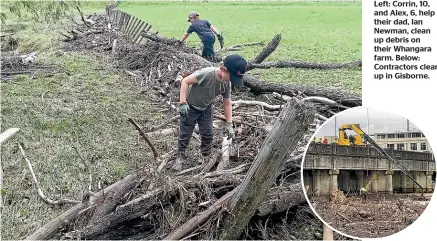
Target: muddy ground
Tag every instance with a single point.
(381, 215)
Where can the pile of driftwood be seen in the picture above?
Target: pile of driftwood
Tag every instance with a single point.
(251, 188)
(380, 215)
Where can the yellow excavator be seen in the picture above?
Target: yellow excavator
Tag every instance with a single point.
(364, 138)
(353, 140)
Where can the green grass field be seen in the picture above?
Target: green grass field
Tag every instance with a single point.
(88, 101)
(311, 31)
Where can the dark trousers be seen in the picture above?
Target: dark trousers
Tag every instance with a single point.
(186, 128)
(208, 49)
(364, 196)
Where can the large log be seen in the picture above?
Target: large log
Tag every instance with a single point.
(342, 97)
(259, 86)
(269, 49)
(280, 199)
(140, 206)
(288, 130)
(54, 226)
(114, 219)
(304, 65)
(51, 228)
(109, 200)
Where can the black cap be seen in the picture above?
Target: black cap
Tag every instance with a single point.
(236, 66)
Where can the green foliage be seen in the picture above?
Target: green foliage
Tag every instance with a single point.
(3, 17)
(41, 10)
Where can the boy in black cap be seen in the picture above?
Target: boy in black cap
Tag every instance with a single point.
(198, 90)
(205, 31)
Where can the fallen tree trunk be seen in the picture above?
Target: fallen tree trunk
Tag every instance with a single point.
(261, 87)
(280, 199)
(145, 203)
(110, 199)
(54, 226)
(288, 130)
(269, 49)
(304, 65)
(129, 212)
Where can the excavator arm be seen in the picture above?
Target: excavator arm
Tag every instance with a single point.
(358, 130)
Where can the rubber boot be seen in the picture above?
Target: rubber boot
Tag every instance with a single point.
(178, 162)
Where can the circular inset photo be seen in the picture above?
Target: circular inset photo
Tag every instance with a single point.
(367, 173)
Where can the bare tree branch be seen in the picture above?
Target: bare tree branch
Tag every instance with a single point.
(35, 181)
(155, 153)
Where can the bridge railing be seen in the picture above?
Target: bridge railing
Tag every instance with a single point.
(366, 151)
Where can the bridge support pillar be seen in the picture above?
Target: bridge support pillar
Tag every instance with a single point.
(360, 179)
(403, 182)
(389, 181)
(374, 181)
(429, 185)
(316, 182)
(345, 180)
(334, 179)
(420, 177)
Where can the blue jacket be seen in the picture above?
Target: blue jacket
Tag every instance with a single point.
(202, 28)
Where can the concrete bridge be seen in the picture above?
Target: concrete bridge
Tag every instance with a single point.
(350, 167)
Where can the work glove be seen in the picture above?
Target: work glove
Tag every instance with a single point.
(230, 130)
(220, 37)
(183, 110)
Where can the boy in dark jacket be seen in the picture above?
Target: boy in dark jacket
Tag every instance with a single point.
(205, 31)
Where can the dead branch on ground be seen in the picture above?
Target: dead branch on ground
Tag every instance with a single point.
(144, 136)
(38, 188)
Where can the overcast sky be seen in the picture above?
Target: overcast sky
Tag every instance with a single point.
(378, 122)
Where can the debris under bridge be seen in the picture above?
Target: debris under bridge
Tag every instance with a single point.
(379, 216)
